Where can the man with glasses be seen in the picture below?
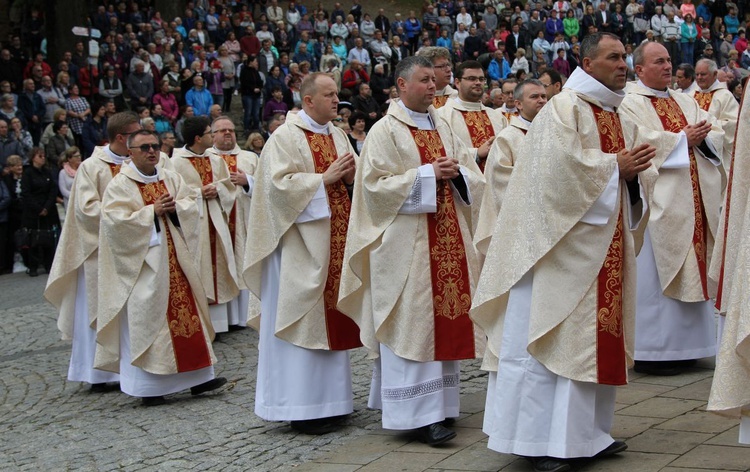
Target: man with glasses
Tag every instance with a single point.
(208, 174)
(154, 324)
(551, 81)
(441, 63)
(73, 279)
(241, 165)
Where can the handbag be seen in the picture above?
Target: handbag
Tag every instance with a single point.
(46, 238)
(22, 239)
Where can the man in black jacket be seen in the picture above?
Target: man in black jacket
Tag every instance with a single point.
(366, 104)
(32, 106)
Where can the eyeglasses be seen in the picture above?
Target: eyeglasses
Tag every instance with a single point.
(546, 85)
(226, 130)
(444, 66)
(146, 147)
(473, 79)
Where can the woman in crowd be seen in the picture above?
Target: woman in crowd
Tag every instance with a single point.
(228, 83)
(161, 122)
(21, 135)
(233, 47)
(69, 161)
(167, 100)
(58, 143)
(78, 110)
(571, 25)
(520, 62)
(688, 35)
(255, 143)
(39, 196)
(357, 122)
(95, 129)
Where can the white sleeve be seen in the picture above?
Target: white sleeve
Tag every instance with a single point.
(155, 237)
(318, 207)
(679, 157)
(604, 206)
(250, 185)
(423, 195)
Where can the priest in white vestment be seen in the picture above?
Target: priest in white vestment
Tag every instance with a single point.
(508, 109)
(530, 96)
(153, 316)
(208, 174)
(72, 283)
(675, 318)
(241, 165)
(410, 267)
(557, 291)
(441, 61)
(299, 217)
(714, 97)
(730, 391)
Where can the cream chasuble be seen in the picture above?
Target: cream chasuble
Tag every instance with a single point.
(500, 162)
(389, 284)
(722, 105)
(730, 391)
(293, 211)
(152, 276)
(217, 266)
(442, 96)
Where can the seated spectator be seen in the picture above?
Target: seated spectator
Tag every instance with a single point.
(354, 76)
(58, 143)
(69, 162)
(357, 133)
(520, 62)
(167, 100)
(8, 145)
(364, 103)
(561, 64)
(8, 111)
(255, 143)
(18, 133)
(60, 115)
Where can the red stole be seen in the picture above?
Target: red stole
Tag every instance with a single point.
(611, 368)
(451, 287)
(231, 161)
(342, 332)
(480, 130)
(673, 120)
(438, 101)
(704, 99)
(183, 318)
(114, 168)
(202, 165)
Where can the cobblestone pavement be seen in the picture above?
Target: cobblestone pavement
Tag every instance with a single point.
(47, 423)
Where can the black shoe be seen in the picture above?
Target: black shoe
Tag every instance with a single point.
(661, 368)
(614, 448)
(32, 273)
(315, 427)
(548, 464)
(153, 401)
(435, 434)
(212, 384)
(448, 422)
(104, 387)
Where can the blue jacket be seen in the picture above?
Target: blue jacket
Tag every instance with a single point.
(200, 100)
(496, 72)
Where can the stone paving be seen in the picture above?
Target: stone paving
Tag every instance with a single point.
(47, 423)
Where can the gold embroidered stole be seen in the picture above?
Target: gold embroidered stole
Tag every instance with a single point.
(342, 332)
(480, 130)
(439, 101)
(449, 271)
(231, 161)
(114, 168)
(183, 318)
(610, 343)
(673, 120)
(704, 99)
(202, 165)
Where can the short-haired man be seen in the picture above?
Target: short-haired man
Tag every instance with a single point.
(441, 62)
(552, 82)
(209, 175)
(675, 318)
(685, 79)
(72, 282)
(295, 246)
(154, 325)
(508, 109)
(714, 97)
(241, 165)
(559, 309)
(199, 97)
(411, 301)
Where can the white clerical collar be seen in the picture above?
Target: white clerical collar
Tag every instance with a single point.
(422, 120)
(658, 93)
(314, 125)
(116, 158)
(192, 154)
(231, 152)
(523, 120)
(149, 179)
(505, 109)
(580, 81)
(713, 86)
(471, 106)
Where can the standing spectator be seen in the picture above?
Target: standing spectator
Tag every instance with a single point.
(520, 62)
(561, 64)
(198, 97)
(32, 107)
(53, 98)
(187, 112)
(571, 25)
(499, 69)
(732, 22)
(20, 135)
(233, 47)
(11, 177)
(251, 85)
(356, 10)
(69, 162)
(140, 85)
(8, 145)
(161, 122)
(8, 110)
(58, 143)
(6, 238)
(167, 100)
(250, 44)
(688, 35)
(367, 29)
(78, 110)
(255, 143)
(671, 34)
(95, 129)
(553, 26)
(39, 195)
(110, 88)
(364, 103)
(382, 23)
(412, 29)
(214, 78)
(275, 104)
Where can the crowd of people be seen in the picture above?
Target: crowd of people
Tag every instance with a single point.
(498, 139)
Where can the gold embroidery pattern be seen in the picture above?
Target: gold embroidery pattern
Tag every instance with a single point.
(610, 313)
(231, 162)
(704, 99)
(479, 125)
(114, 168)
(452, 295)
(674, 120)
(202, 165)
(439, 101)
(182, 312)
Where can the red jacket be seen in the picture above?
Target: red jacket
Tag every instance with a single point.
(349, 79)
(250, 45)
